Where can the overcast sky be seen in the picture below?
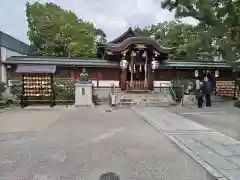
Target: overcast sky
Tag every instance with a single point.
(114, 17)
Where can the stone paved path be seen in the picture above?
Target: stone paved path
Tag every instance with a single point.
(217, 153)
(225, 119)
(84, 142)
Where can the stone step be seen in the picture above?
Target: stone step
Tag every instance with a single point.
(146, 102)
(145, 99)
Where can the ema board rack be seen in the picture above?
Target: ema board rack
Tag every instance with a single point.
(37, 89)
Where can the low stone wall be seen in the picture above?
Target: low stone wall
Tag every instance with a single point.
(103, 92)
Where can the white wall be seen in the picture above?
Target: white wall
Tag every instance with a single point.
(6, 53)
(104, 83)
(10, 53)
(3, 53)
(3, 71)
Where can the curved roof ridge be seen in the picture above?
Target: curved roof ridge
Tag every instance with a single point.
(122, 37)
(139, 40)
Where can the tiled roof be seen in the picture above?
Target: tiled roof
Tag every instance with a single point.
(12, 43)
(197, 64)
(36, 69)
(60, 61)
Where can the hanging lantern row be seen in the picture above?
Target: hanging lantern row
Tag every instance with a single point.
(140, 68)
(155, 64)
(124, 65)
(196, 73)
(216, 74)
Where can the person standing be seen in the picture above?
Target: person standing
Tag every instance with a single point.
(208, 91)
(200, 94)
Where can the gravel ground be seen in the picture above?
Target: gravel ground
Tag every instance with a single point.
(85, 142)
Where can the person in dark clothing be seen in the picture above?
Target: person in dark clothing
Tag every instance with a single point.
(208, 91)
(208, 100)
(200, 95)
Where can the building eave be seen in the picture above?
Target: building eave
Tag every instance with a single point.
(197, 64)
(139, 40)
(84, 62)
(67, 62)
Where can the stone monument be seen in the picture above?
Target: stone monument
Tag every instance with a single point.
(84, 76)
(83, 90)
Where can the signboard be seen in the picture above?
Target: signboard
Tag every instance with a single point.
(140, 46)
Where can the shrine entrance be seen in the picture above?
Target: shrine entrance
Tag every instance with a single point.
(138, 80)
(139, 57)
(138, 76)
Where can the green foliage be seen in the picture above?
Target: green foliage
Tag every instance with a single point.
(95, 98)
(64, 89)
(2, 87)
(184, 37)
(237, 104)
(181, 87)
(16, 90)
(57, 32)
(217, 21)
(177, 89)
(2, 104)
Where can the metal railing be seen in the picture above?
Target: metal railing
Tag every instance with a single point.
(168, 86)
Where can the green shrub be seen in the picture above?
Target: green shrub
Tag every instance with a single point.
(237, 103)
(2, 87)
(2, 104)
(16, 90)
(64, 89)
(181, 87)
(94, 96)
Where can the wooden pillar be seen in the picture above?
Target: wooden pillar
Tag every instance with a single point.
(73, 74)
(150, 77)
(123, 79)
(97, 78)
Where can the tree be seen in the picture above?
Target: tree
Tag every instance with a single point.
(185, 38)
(57, 32)
(101, 36)
(156, 31)
(174, 34)
(217, 22)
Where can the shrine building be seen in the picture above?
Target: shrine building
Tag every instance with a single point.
(130, 62)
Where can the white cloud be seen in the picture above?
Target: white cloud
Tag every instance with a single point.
(114, 17)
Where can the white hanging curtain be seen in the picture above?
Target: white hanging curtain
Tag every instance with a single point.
(144, 55)
(145, 67)
(130, 68)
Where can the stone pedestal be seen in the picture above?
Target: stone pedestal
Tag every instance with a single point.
(83, 94)
(189, 100)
